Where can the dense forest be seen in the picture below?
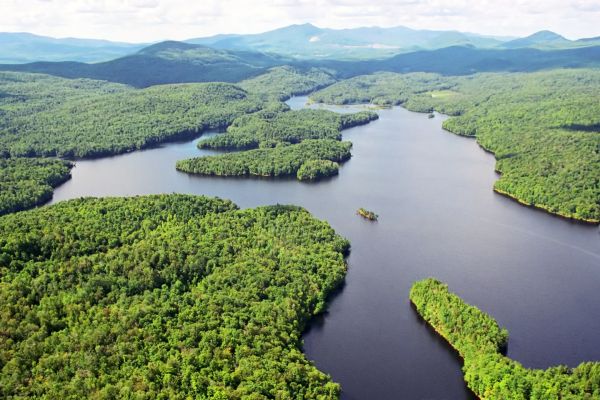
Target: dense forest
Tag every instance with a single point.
(313, 170)
(168, 296)
(278, 161)
(267, 128)
(47, 116)
(478, 339)
(543, 127)
(27, 182)
(281, 83)
(305, 143)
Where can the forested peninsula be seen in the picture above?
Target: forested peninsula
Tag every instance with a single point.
(543, 127)
(27, 182)
(478, 339)
(305, 143)
(45, 116)
(166, 296)
(279, 161)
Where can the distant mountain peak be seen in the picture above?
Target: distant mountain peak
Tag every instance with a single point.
(545, 35)
(307, 29)
(539, 39)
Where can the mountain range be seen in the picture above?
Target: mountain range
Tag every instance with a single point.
(310, 42)
(296, 41)
(161, 63)
(26, 47)
(177, 62)
(344, 53)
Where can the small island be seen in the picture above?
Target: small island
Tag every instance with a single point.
(366, 214)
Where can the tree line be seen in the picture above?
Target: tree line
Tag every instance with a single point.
(479, 339)
(166, 296)
(543, 127)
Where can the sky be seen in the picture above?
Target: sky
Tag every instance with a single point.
(154, 20)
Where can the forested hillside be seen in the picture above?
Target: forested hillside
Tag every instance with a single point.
(267, 128)
(44, 115)
(178, 62)
(281, 83)
(305, 143)
(466, 60)
(27, 182)
(544, 127)
(162, 63)
(478, 339)
(48, 116)
(168, 296)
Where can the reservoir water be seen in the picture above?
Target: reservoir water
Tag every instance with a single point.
(537, 274)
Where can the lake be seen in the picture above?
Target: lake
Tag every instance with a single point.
(537, 274)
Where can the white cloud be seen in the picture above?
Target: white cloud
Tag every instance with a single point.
(151, 20)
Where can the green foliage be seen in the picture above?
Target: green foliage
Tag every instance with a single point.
(168, 296)
(370, 215)
(47, 116)
(281, 83)
(357, 119)
(281, 160)
(302, 142)
(478, 339)
(27, 182)
(266, 128)
(316, 169)
(381, 89)
(544, 127)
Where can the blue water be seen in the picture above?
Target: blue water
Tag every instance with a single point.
(537, 274)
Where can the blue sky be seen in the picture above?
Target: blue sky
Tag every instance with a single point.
(152, 20)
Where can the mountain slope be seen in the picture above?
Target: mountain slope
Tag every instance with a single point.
(462, 60)
(547, 40)
(177, 62)
(541, 39)
(308, 41)
(27, 47)
(165, 62)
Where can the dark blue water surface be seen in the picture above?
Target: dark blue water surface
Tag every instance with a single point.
(537, 274)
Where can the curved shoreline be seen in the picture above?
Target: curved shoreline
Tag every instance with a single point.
(545, 209)
(540, 207)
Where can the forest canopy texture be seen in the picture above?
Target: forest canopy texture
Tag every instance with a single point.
(27, 182)
(478, 339)
(168, 296)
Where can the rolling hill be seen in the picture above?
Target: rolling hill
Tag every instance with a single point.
(165, 62)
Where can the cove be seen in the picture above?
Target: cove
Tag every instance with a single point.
(538, 275)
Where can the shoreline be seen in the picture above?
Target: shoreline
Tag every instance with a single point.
(441, 336)
(539, 207)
